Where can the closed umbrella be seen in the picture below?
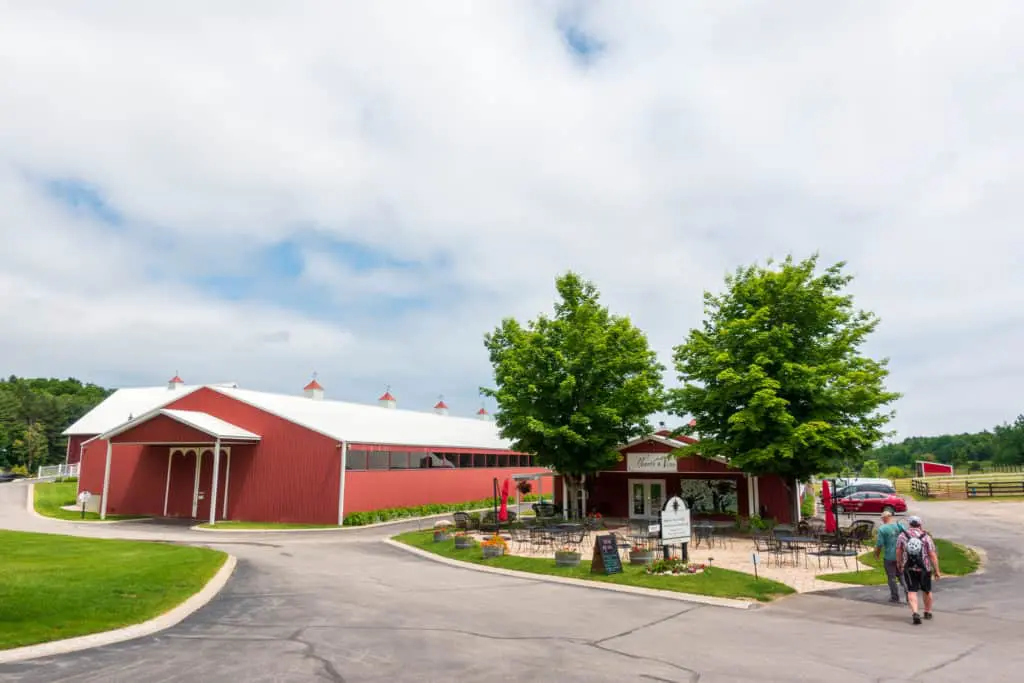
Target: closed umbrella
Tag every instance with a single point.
(503, 511)
(826, 501)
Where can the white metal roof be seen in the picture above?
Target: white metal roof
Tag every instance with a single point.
(123, 405)
(353, 422)
(373, 424)
(204, 422)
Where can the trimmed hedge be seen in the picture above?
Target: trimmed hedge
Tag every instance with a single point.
(388, 514)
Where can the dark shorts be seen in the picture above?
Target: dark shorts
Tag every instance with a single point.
(919, 580)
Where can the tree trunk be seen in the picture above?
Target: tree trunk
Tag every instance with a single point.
(573, 483)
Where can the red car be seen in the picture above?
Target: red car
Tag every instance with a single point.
(871, 501)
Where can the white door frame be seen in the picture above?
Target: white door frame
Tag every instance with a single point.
(646, 482)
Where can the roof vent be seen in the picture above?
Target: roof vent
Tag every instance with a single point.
(313, 390)
(387, 400)
(175, 381)
(441, 408)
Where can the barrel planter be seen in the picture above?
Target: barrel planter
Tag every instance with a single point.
(441, 536)
(491, 551)
(567, 558)
(463, 542)
(641, 556)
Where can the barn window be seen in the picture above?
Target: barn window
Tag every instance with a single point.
(492, 460)
(377, 460)
(452, 459)
(399, 460)
(479, 460)
(355, 460)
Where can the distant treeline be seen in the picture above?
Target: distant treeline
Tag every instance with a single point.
(34, 412)
(1004, 445)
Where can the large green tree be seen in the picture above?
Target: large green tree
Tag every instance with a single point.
(573, 387)
(776, 379)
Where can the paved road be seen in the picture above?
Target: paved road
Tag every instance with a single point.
(344, 607)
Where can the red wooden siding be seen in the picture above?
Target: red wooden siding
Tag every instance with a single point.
(137, 477)
(162, 429)
(74, 452)
(291, 476)
(932, 469)
(367, 490)
(692, 463)
(776, 499)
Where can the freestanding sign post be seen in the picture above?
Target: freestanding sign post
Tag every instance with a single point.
(675, 525)
(83, 500)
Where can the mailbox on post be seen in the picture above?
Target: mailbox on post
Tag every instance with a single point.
(83, 500)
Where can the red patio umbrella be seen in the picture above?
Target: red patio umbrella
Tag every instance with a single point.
(826, 501)
(503, 511)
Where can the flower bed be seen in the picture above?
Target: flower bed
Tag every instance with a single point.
(674, 567)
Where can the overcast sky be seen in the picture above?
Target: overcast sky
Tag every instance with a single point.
(253, 191)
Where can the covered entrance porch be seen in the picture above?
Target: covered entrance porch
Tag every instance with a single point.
(198, 448)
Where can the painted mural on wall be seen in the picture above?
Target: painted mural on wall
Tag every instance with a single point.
(710, 496)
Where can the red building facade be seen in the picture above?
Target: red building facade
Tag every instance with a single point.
(647, 476)
(270, 468)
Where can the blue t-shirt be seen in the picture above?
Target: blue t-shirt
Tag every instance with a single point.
(887, 536)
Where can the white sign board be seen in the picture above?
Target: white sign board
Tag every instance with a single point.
(675, 521)
(650, 462)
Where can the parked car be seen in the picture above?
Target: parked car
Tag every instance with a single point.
(875, 487)
(871, 502)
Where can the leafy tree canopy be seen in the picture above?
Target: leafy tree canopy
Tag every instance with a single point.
(776, 379)
(34, 412)
(573, 387)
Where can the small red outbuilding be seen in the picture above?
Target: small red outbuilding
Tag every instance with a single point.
(216, 452)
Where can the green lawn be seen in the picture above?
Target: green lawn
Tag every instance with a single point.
(54, 587)
(228, 525)
(50, 499)
(954, 560)
(723, 583)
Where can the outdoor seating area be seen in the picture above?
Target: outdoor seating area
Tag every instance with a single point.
(791, 555)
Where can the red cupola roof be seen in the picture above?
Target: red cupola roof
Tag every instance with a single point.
(386, 397)
(441, 405)
(482, 411)
(312, 386)
(176, 380)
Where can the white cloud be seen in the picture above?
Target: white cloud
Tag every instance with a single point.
(466, 137)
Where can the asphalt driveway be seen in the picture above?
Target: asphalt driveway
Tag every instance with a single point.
(345, 607)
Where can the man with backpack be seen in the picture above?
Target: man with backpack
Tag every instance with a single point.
(918, 562)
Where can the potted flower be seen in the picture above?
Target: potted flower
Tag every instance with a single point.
(441, 531)
(463, 540)
(566, 556)
(524, 487)
(494, 546)
(640, 555)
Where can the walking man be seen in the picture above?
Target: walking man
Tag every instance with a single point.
(918, 562)
(886, 548)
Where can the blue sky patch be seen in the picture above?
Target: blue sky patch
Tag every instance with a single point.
(582, 45)
(83, 197)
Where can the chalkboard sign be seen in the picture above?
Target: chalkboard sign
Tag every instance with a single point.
(606, 556)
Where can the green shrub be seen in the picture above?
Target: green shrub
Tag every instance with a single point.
(20, 469)
(893, 472)
(389, 514)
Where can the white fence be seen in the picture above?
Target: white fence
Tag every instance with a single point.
(58, 471)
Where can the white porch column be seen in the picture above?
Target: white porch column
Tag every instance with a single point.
(167, 488)
(195, 486)
(756, 485)
(106, 481)
(216, 476)
(565, 499)
(341, 483)
(750, 495)
(227, 484)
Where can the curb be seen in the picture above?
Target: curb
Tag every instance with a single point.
(580, 583)
(146, 628)
(31, 509)
(335, 529)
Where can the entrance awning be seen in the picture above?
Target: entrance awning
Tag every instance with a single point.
(159, 427)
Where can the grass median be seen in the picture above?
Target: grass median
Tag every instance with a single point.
(954, 560)
(54, 587)
(49, 500)
(721, 583)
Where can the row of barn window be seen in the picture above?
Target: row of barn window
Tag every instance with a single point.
(405, 460)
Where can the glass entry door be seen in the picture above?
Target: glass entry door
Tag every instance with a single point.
(646, 496)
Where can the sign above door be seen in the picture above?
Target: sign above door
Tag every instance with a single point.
(650, 462)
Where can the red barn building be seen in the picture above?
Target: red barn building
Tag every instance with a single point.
(216, 452)
(647, 476)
